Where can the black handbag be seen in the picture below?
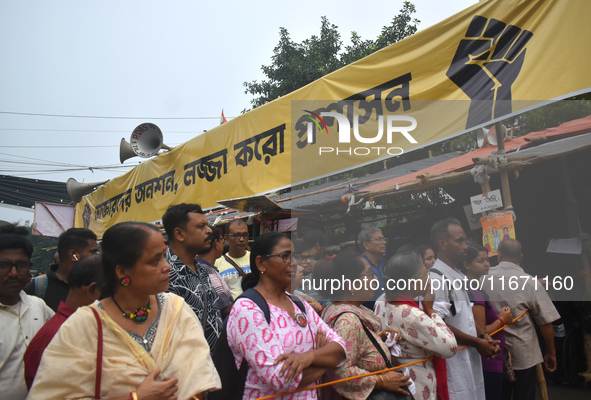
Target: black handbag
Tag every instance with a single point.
(382, 394)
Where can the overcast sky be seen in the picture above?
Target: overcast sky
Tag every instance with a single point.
(129, 62)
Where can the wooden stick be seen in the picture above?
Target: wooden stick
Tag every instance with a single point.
(371, 373)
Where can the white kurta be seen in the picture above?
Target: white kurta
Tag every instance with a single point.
(19, 325)
(464, 370)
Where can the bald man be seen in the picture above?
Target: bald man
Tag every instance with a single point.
(521, 337)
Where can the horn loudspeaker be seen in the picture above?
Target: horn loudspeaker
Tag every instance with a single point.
(146, 141)
(77, 190)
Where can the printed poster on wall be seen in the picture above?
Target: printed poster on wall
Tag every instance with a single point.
(496, 228)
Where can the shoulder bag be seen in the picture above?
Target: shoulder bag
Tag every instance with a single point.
(99, 356)
(381, 394)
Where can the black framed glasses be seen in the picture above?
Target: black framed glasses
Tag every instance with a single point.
(306, 258)
(6, 266)
(237, 236)
(285, 257)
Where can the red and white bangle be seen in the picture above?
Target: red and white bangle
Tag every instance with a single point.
(133, 395)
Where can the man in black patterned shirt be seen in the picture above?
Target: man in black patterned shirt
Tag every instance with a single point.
(188, 235)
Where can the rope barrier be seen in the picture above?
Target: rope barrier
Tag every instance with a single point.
(371, 373)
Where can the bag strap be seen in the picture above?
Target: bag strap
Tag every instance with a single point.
(487, 303)
(371, 338)
(99, 356)
(450, 299)
(259, 300)
(235, 265)
(298, 303)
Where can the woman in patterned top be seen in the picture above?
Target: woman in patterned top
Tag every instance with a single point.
(153, 344)
(294, 349)
(424, 333)
(354, 322)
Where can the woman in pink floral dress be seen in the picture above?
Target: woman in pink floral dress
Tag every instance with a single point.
(424, 334)
(294, 349)
(353, 322)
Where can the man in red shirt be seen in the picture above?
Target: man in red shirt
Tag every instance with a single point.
(84, 281)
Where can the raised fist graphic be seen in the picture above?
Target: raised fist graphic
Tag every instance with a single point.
(486, 64)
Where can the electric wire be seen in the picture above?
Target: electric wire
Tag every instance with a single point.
(103, 116)
(81, 130)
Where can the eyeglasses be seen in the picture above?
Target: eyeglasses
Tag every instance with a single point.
(380, 240)
(285, 257)
(237, 236)
(369, 275)
(20, 265)
(297, 258)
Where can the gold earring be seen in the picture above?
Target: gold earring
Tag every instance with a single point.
(262, 272)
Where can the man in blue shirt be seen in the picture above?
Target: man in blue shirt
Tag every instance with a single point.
(372, 243)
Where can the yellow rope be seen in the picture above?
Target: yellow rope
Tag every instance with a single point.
(371, 373)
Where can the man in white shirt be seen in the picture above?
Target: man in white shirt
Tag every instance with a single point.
(236, 263)
(464, 370)
(21, 315)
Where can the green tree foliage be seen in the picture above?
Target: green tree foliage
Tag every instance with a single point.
(538, 119)
(555, 114)
(295, 65)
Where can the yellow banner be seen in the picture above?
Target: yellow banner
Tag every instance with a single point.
(497, 57)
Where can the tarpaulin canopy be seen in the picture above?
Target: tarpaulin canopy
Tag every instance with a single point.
(24, 192)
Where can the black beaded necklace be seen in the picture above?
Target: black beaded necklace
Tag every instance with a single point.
(139, 315)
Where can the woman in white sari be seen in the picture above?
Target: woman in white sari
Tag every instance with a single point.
(153, 344)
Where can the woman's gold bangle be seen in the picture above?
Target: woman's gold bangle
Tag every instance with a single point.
(381, 381)
(133, 395)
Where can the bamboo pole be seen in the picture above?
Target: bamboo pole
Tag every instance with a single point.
(541, 382)
(427, 181)
(341, 186)
(506, 189)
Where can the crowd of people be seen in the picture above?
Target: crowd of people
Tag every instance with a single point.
(147, 315)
